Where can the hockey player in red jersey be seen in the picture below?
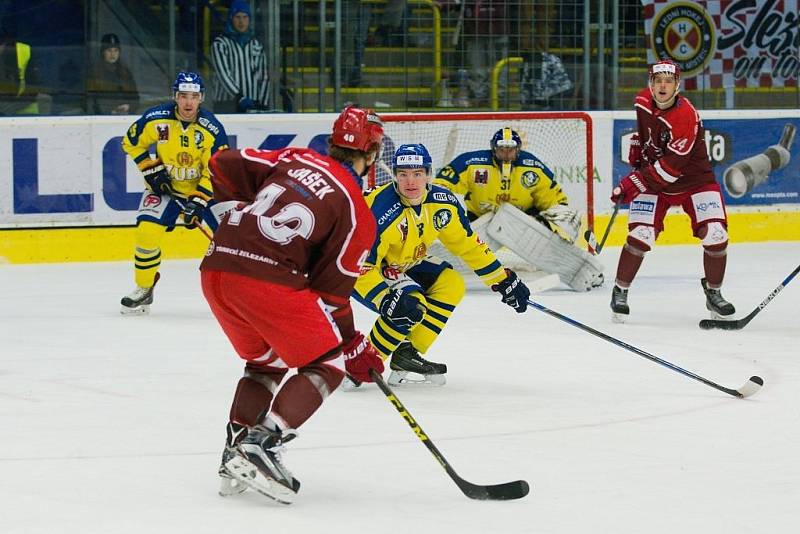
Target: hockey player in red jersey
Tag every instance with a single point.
(278, 277)
(670, 168)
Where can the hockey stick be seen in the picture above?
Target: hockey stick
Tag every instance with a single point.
(497, 492)
(749, 388)
(590, 238)
(708, 324)
(198, 226)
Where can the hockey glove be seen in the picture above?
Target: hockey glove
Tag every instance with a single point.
(568, 220)
(635, 152)
(629, 188)
(401, 308)
(359, 357)
(157, 179)
(193, 211)
(513, 291)
(246, 104)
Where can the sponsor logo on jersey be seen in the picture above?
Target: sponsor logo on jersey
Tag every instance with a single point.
(151, 201)
(477, 160)
(388, 213)
(208, 125)
(441, 197)
(706, 206)
(532, 163)
(184, 159)
(441, 219)
(685, 33)
(163, 132)
(529, 179)
(158, 113)
(481, 176)
(198, 139)
(642, 206)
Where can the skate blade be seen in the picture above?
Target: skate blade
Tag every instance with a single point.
(230, 486)
(349, 385)
(247, 473)
(619, 318)
(407, 378)
(138, 310)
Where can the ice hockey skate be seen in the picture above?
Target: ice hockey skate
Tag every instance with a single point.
(619, 304)
(139, 300)
(716, 303)
(256, 462)
(228, 485)
(409, 368)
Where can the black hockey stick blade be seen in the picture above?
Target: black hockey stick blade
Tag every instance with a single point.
(748, 389)
(708, 324)
(496, 492)
(592, 240)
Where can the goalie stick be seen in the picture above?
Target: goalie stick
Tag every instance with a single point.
(708, 324)
(497, 492)
(592, 241)
(749, 388)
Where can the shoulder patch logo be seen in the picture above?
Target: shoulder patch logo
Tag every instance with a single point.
(163, 132)
(529, 179)
(441, 219)
(198, 139)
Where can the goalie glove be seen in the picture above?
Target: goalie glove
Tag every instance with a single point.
(565, 218)
(513, 291)
(359, 357)
(157, 178)
(194, 209)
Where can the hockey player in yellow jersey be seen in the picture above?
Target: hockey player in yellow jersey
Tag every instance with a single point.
(413, 292)
(177, 179)
(509, 189)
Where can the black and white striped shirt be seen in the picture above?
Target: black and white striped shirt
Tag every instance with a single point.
(239, 71)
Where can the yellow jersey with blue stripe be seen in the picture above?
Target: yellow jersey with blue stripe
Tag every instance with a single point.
(183, 147)
(406, 232)
(529, 184)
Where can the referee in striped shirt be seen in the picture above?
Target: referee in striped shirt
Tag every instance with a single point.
(241, 81)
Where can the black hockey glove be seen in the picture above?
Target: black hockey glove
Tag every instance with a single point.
(158, 179)
(193, 211)
(401, 308)
(514, 292)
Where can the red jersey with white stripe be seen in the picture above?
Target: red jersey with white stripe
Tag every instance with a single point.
(674, 155)
(301, 222)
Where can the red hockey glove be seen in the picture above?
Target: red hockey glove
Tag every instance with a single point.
(628, 188)
(635, 152)
(359, 357)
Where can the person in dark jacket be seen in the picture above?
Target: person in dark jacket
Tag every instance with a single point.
(111, 89)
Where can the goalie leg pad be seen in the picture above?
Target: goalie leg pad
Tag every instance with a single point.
(538, 245)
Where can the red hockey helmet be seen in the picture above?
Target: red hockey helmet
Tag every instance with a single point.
(359, 129)
(665, 66)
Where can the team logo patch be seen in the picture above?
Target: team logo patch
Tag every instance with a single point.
(210, 249)
(151, 201)
(441, 219)
(184, 159)
(403, 227)
(198, 139)
(685, 33)
(529, 179)
(481, 176)
(163, 132)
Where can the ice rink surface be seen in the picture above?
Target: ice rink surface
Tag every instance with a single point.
(115, 424)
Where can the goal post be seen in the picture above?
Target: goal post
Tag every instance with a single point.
(562, 140)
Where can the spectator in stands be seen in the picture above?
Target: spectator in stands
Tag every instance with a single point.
(355, 30)
(241, 81)
(19, 75)
(391, 31)
(111, 89)
(486, 40)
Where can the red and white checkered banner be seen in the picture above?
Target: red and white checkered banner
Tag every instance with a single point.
(727, 43)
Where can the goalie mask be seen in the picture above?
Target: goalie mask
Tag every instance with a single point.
(506, 146)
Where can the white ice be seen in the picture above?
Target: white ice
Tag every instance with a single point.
(115, 424)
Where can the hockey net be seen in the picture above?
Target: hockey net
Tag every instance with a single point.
(562, 140)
